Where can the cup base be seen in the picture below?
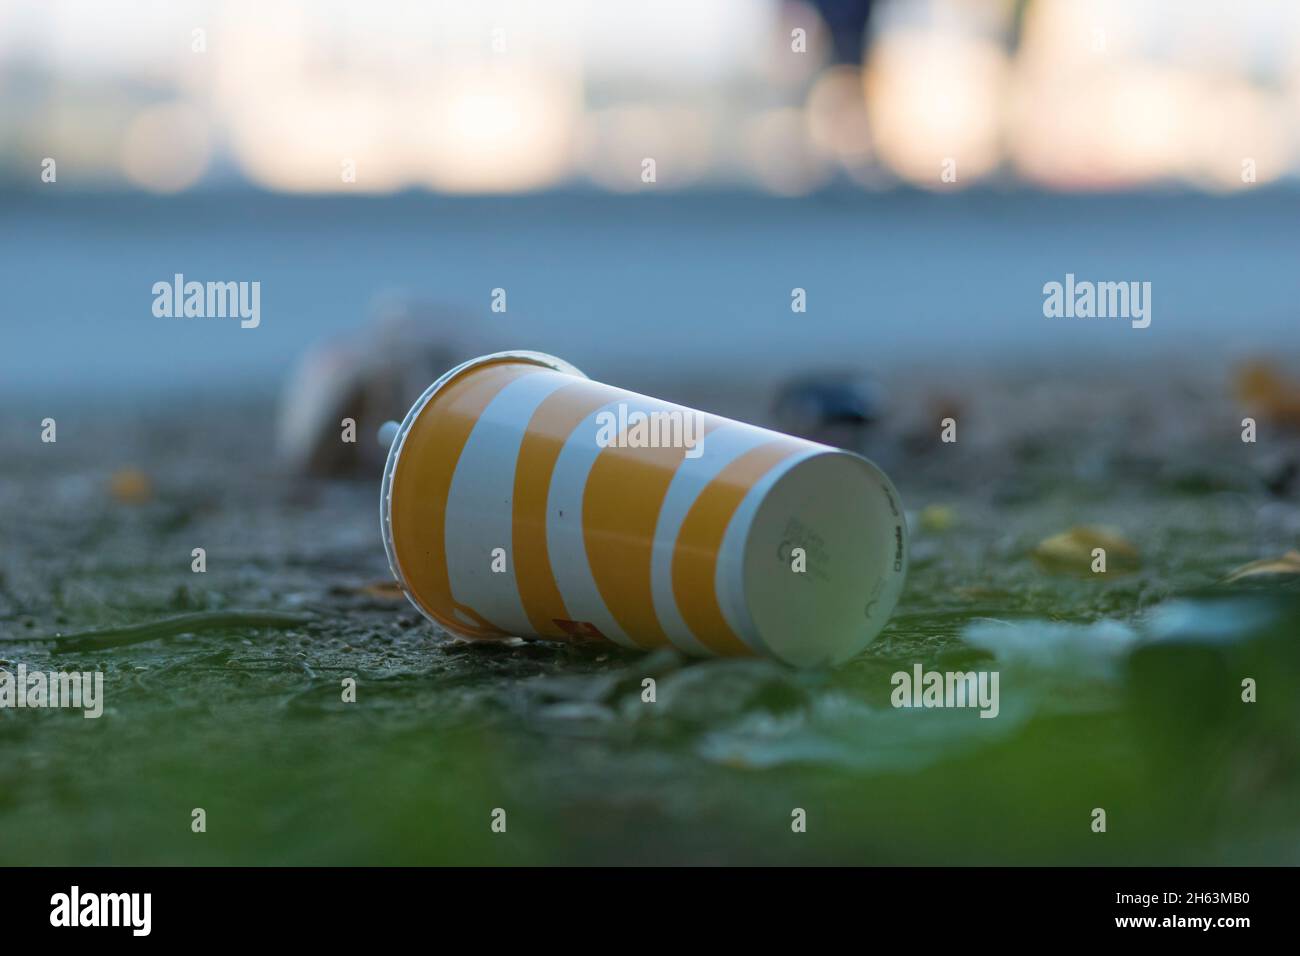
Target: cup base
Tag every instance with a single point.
(825, 560)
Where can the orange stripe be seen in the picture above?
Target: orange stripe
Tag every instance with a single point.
(620, 509)
(422, 482)
(695, 555)
(555, 419)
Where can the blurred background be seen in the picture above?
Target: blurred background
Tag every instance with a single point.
(919, 167)
(780, 97)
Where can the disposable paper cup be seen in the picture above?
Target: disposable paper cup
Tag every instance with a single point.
(522, 499)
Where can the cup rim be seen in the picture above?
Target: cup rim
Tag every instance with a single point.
(526, 356)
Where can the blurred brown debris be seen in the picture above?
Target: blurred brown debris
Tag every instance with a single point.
(369, 377)
(130, 486)
(1268, 393)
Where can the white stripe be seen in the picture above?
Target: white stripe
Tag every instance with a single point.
(730, 578)
(721, 447)
(480, 503)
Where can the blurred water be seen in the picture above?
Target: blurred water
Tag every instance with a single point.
(683, 282)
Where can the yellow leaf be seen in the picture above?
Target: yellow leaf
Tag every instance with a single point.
(1074, 552)
(1288, 563)
(937, 518)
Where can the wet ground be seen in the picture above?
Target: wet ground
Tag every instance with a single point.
(1120, 691)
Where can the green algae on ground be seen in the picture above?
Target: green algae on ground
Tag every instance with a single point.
(246, 717)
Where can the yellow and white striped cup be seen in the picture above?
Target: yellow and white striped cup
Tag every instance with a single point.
(521, 498)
